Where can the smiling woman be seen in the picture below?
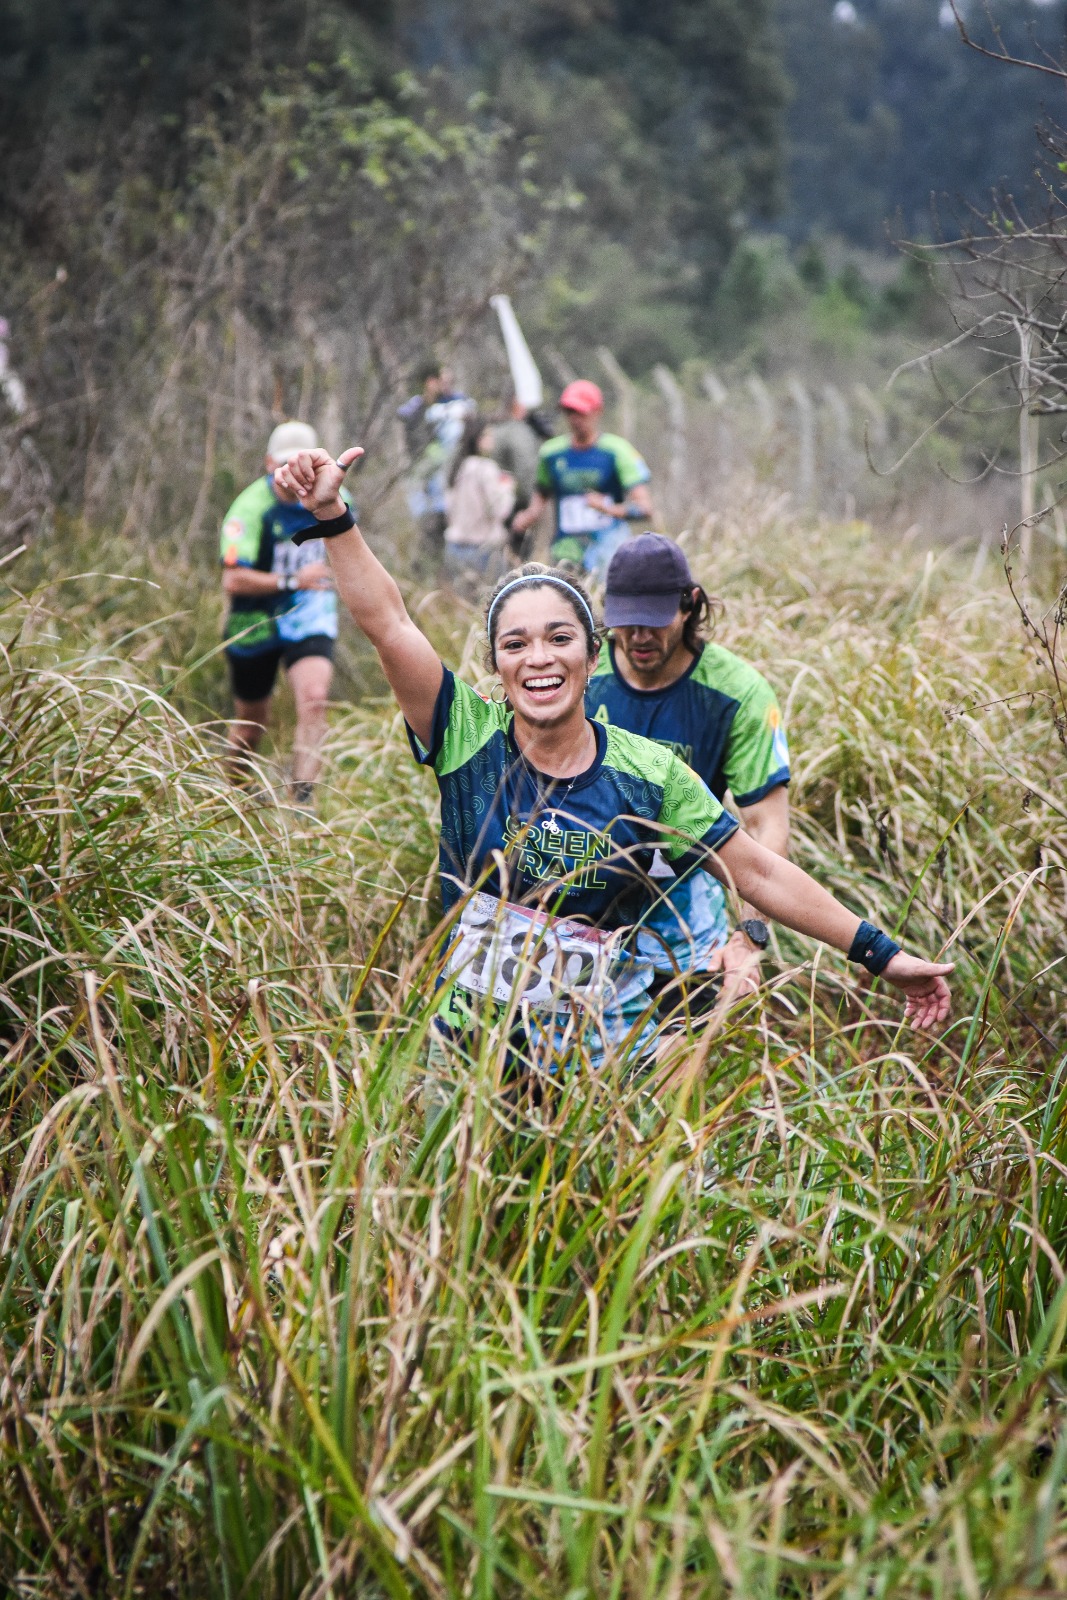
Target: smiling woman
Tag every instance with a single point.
(549, 821)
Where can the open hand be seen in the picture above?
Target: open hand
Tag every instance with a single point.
(315, 478)
(923, 983)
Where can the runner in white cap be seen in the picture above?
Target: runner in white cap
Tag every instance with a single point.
(283, 611)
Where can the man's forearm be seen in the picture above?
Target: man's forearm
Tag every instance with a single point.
(526, 519)
(638, 503)
(249, 581)
(779, 844)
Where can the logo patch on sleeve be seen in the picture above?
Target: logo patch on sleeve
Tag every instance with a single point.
(231, 536)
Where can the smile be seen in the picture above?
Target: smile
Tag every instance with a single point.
(532, 685)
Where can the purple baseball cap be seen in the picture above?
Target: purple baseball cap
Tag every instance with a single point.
(646, 579)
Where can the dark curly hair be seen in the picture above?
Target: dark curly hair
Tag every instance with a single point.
(700, 619)
(533, 575)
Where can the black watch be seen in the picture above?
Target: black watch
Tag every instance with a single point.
(756, 931)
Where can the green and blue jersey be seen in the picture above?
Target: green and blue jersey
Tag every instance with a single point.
(257, 532)
(580, 848)
(566, 474)
(722, 719)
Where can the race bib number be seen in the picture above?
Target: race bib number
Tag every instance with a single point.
(503, 949)
(576, 515)
(290, 558)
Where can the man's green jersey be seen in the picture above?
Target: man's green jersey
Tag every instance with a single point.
(257, 532)
(566, 473)
(721, 717)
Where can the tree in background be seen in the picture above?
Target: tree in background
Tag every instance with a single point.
(891, 115)
(217, 184)
(658, 131)
(206, 174)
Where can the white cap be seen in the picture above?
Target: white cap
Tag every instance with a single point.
(290, 437)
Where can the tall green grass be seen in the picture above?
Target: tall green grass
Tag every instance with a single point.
(785, 1317)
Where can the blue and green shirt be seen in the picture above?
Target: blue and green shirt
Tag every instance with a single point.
(722, 719)
(567, 474)
(257, 532)
(579, 848)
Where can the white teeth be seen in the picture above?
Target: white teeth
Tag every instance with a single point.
(542, 683)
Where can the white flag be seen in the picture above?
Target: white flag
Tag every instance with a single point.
(529, 390)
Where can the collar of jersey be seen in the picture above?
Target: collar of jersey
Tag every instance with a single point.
(666, 688)
(581, 780)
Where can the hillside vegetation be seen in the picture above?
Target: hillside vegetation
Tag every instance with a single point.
(785, 1318)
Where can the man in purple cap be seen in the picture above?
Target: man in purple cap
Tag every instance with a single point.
(658, 676)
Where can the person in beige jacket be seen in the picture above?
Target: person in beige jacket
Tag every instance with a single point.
(480, 499)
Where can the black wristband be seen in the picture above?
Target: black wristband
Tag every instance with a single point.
(326, 530)
(872, 948)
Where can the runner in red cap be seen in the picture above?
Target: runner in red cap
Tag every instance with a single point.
(598, 482)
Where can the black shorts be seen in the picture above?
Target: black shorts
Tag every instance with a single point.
(252, 677)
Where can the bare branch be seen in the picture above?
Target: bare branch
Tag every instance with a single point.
(929, 355)
(1001, 54)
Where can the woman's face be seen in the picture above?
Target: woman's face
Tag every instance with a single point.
(542, 656)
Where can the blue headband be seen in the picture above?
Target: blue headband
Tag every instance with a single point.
(535, 578)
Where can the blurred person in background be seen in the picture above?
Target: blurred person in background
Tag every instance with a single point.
(12, 388)
(660, 677)
(597, 481)
(480, 499)
(282, 611)
(433, 421)
(517, 441)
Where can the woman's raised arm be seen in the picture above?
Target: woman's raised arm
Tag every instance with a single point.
(408, 659)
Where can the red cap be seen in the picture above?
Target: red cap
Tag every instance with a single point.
(581, 396)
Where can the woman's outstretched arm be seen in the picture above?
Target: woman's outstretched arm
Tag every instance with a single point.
(408, 659)
(786, 893)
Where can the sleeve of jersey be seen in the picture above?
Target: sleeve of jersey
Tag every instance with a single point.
(242, 529)
(632, 468)
(543, 480)
(757, 755)
(693, 820)
(462, 722)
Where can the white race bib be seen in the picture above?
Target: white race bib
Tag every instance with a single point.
(503, 949)
(290, 558)
(576, 515)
